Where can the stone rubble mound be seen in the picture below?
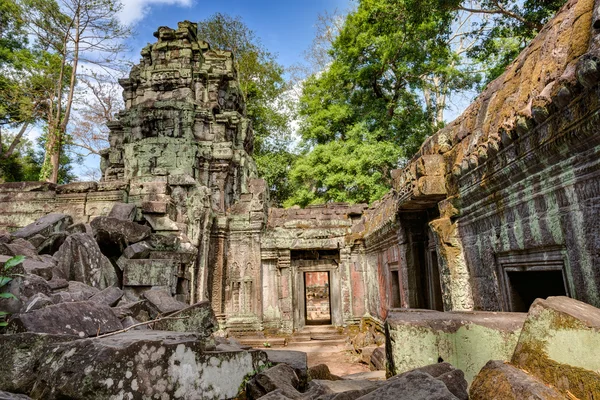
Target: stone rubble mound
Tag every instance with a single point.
(433, 382)
(80, 324)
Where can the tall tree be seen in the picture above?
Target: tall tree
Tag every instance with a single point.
(502, 28)
(367, 111)
(79, 31)
(264, 87)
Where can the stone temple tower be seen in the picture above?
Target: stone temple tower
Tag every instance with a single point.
(184, 120)
(183, 150)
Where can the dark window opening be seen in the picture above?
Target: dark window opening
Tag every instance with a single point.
(526, 286)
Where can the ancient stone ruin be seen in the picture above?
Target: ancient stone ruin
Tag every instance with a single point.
(496, 216)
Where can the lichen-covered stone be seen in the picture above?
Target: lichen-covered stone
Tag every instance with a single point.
(45, 226)
(20, 354)
(556, 346)
(80, 259)
(115, 235)
(499, 380)
(141, 363)
(81, 319)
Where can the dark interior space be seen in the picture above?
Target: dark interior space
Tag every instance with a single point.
(526, 286)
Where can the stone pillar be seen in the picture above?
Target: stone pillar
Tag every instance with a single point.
(454, 273)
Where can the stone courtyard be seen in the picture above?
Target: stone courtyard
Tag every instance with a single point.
(475, 277)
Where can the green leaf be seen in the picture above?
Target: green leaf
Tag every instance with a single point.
(3, 313)
(3, 324)
(4, 280)
(13, 262)
(7, 296)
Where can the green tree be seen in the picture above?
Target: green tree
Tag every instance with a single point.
(503, 28)
(374, 105)
(78, 31)
(264, 87)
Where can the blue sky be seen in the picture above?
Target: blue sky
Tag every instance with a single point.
(285, 27)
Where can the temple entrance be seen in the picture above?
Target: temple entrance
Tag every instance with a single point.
(316, 295)
(317, 301)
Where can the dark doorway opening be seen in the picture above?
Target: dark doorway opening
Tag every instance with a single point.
(396, 301)
(526, 286)
(317, 299)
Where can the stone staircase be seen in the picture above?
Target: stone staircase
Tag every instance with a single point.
(323, 337)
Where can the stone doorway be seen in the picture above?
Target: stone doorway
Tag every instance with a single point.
(317, 300)
(304, 263)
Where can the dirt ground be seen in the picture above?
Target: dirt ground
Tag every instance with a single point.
(340, 361)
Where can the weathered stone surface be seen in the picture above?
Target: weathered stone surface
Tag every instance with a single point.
(114, 235)
(499, 380)
(80, 259)
(19, 354)
(80, 319)
(377, 359)
(19, 247)
(152, 363)
(321, 371)
(198, 318)
(13, 396)
(298, 360)
(45, 226)
(39, 268)
(149, 273)
(63, 297)
(162, 302)
(281, 376)
(453, 378)
(77, 187)
(137, 250)
(37, 302)
(414, 385)
(555, 345)
(86, 291)
(109, 296)
(52, 243)
(469, 339)
(123, 211)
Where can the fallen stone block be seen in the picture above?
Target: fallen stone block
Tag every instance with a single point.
(414, 385)
(198, 318)
(150, 273)
(137, 250)
(82, 319)
(298, 360)
(45, 226)
(39, 268)
(19, 358)
(52, 243)
(499, 380)
(321, 372)
(109, 296)
(19, 247)
(123, 211)
(281, 377)
(80, 259)
(63, 297)
(13, 396)
(84, 290)
(469, 339)
(162, 303)
(559, 345)
(37, 302)
(114, 235)
(153, 363)
(377, 360)
(453, 378)
(35, 240)
(58, 283)
(343, 386)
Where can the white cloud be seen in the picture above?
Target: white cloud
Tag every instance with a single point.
(135, 10)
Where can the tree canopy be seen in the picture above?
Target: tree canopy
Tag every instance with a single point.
(264, 87)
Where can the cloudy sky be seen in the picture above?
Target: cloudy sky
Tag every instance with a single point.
(286, 27)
